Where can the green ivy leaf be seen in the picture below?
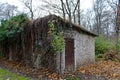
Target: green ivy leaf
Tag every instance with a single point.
(58, 42)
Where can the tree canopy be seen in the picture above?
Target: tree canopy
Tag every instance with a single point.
(10, 27)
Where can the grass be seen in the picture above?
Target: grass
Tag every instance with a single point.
(6, 75)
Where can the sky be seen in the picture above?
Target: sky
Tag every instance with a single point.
(85, 4)
(13, 2)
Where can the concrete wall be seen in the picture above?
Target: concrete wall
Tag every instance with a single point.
(62, 61)
(84, 50)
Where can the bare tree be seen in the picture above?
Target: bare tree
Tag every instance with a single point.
(113, 4)
(63, 9)
(79, 22)
(29, 5)
(117, 28)
(87, 19)
(7, 10)
(32, 7)
(115, 7)
(99, 8)
(69, 8)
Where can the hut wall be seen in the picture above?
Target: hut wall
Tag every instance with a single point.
(67, 34)
(62, 62)
(84, 49)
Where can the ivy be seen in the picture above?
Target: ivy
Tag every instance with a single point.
(57, 38)
(9, 28)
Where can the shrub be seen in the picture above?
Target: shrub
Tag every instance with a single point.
(10, 27)
(118, 45)
(102, 45)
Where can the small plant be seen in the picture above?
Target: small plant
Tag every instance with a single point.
(72, 78)
(101, 45)
(118, 45)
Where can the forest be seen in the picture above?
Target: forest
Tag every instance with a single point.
(30, 40)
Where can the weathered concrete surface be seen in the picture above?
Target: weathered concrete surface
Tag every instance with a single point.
(84, 50)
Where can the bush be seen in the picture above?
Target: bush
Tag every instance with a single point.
(10, 27)
(102, 45)
(118, 45)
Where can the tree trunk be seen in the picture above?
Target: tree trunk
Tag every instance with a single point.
(10, 54)
(10, 50)
(63, 10)
(79, 13)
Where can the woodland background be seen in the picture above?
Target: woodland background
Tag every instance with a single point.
(102, 19)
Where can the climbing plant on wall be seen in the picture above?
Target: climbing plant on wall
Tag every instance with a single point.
(57, 38)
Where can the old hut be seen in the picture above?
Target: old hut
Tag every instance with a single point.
(79, 44)
(35, 48)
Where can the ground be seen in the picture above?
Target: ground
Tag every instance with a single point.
(108, 70)
(6, 75)
(102, 70)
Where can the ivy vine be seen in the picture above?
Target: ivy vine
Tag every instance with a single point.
(57, 38)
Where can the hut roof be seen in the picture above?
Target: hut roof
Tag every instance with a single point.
(64, 21)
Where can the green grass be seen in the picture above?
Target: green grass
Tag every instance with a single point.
(6, 75)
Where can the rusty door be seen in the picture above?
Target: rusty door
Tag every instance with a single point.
(69, 53)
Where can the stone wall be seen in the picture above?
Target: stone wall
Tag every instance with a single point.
(84, 49)
(62, 62)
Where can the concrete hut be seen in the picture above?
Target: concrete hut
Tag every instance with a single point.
(79, 45)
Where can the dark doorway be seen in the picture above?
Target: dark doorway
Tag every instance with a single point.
(69, 53)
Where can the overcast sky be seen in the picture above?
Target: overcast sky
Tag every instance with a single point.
(85, 4)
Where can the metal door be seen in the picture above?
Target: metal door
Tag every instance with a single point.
(69, 53)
